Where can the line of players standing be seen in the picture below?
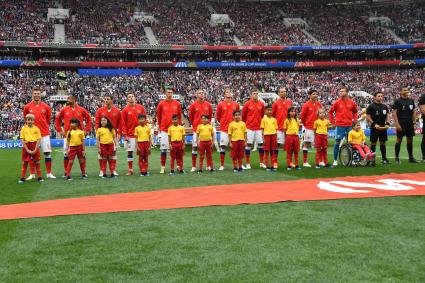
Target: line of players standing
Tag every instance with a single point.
(341, 115)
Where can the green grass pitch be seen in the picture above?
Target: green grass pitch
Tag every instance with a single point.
(317, 241)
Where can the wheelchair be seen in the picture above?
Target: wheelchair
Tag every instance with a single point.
(348, 156)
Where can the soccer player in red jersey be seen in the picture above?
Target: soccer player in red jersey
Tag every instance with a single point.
(224, 116)
(309, 114)
(280, 112)
(114, 115)
(71, 111)
(342, 114)
(252, 113)
(164, 114)
(43, 115)
(197, 109)
(129, 121)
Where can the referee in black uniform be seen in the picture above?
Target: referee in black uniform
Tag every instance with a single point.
(404, 119)
(422, 107)
(378, 117)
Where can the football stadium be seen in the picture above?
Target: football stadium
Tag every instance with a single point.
(212, 141)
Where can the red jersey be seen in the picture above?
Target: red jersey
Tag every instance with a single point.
(345, 111)
(196, 110)
(309, 113)
(280, 111)
(130, 120)
(165, 111)
(67, 113)
(252, 113)
(224, 114)
(114, 115)
(42, 113)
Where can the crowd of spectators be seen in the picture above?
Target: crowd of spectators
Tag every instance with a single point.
(261, 23)
(408, 20)
(15, 88)
(25, 20)
(185, 22)
(188, 22)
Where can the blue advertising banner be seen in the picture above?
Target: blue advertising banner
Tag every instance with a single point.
(10, 63)
(250, 65)
(349, 47)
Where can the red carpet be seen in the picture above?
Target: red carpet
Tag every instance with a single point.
(271, 192)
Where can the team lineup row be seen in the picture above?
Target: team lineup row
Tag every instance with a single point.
(271, 127)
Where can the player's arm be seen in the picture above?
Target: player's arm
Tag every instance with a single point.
(218, 114)
(303, 114)
(395, 118)
(197, 136)
(331, 114)
(158, 115)
(179, 113)
(98, 140)
(354, 111)
(123, 125)
(169, 139)
(89, 123)
(58, 121)
(97, 120)
(229, 133)
(48, 116)
(191, 114)
(82, 136)
(244, 113)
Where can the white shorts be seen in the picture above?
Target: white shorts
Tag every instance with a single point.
(163, 141)
(65, 145)
(194, 140)
(280, 137)
(224, 139)
(130, 145)
(308, 135)
(254, 136)
(45, 144)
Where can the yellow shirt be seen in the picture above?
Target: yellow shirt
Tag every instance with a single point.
(237, 130)
(205, 132)
(75, 137)
(176, 133)
(105, 136)
(269, 125)
(356, 137)
(292, 127)
(143, 134)
(321, 126)
(30, 134)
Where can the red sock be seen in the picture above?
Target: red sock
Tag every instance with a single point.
(288, 158)
(38, 169)
(296, 158)
(248, 158)
(240, 160)
(69, 168)
(274, 158)
(111, 165)
(48, 166)
(103, 165)
(319, 155)
(83, 166)
(201, 162)
(140, 164)
(194, 156)
(32, 168)
(24, 169)
(172, 163)
(266, 158)
(130, 165)
(65, 164)
(222, 157)
(235, 163)
(261, 154)
(163, 158)
(325, 155)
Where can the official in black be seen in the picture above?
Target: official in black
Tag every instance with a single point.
(422, 107)
(378, 117)
(404, 120)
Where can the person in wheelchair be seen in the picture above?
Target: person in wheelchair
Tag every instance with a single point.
(357, 138)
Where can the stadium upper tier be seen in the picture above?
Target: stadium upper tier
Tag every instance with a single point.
(16, 84)
(215, 23)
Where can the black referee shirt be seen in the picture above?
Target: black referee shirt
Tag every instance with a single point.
(378, 112)
(422, 102)
(405, 108)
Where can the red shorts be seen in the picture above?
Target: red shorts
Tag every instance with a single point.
(292, 143)
(26, 157)
(75, 151)
(107, 150)
(270, 142)
(321, 141)
(238, 150)
(143, 148)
